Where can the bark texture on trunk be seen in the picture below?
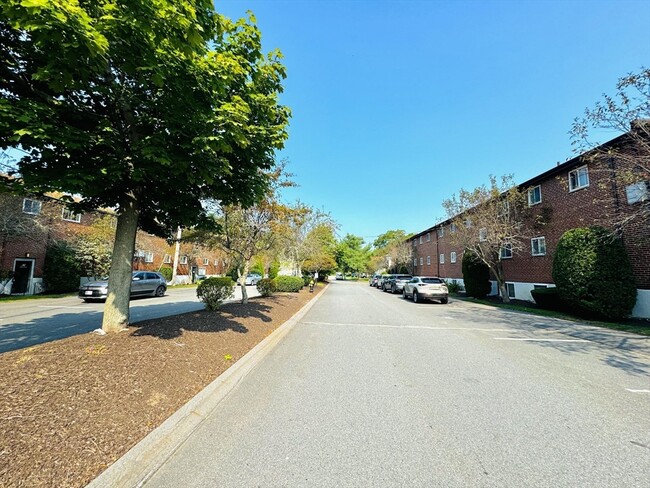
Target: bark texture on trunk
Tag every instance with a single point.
(116, 310)
(242, 281)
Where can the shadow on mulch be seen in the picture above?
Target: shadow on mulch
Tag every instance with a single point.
(228, 317)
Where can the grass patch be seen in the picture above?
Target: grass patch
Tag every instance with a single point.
(15, 298)
(637, 326)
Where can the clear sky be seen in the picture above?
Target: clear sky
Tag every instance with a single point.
(398, 104)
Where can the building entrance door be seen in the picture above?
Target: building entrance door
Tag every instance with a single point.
(23, 271)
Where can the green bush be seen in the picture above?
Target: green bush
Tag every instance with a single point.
(288, 283)
(306, 279)
(213, 291)
(593, 274)
(453, 286)
(548, 299)
(273, 269)
(167, 272)
(266, 287)
(61, 272)
(476, 276)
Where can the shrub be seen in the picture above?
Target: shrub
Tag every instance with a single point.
(266, 287)
(61, 272)
(306, 279)
(213, 291)
(453, 286)
(167, 273)
(548, 299)
(288, 283)
(593, 274)
(273, 269)
(476, 276)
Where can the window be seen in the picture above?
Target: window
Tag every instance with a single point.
(420, 239)
(534, 195)
(167, 259)
(442, 259)
(183, 259)
(68, 214)
(441, 231)
(578, 178)
(202, 271)
(538, 246)
(506, 250)
(482, 234)
(421, 261)
(428, 236)
(148, 257)
(638, 192)
(206, 261)
(538, 287)
(452, 256)
(511, 289)
(468, 223)
(452, 228)
(216, 262)
(415, 261)
(415, 242)
(31, 206)
(428, 260)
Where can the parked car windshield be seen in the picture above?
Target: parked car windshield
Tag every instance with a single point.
(431, 280)
(403, 277)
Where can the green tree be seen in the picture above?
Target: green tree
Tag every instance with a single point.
(351, 255)
(593, 274)
(476, 276)
(321, 242)
(145, 107)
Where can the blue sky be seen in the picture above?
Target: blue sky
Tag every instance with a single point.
(398, 104)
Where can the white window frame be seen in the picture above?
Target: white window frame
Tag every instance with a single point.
(183, 260)
(452, 257)
(531, 192)
(428, 260)
(216, 262)
(420, 239)
(539, 240)
(421, 261)
(577, 177)
(69, 216)
(206, 261)
(637, 192)
(452, 228)
(167, 259)
(202, 272)
(507, 246)
(148, 257)
(428, 236)
(442, 258)
(504, 208)
(415, 242)
(441, 231)
(415, 262)
(482, 234)
(510, 286)
(33, 203)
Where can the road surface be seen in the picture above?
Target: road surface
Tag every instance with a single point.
(369, 390)
(25, 323)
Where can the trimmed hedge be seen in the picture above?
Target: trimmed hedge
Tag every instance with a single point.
(266, 287)
(593, 274)
(213, 291)
(476, 276)
(288, 283)
(167, 272)
(548, 299)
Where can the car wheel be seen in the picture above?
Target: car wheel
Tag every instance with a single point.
(393, 290)
(404, 296)
(444, 301)
(160, 291)
(416, 298)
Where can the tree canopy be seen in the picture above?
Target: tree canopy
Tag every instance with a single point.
(144, 107)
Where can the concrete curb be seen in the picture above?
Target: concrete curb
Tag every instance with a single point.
(147, 456)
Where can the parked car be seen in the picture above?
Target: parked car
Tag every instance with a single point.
(396, 283)
(252, 278)
(373, 280)
(339, 276)
(143, 283)
(382, 279)
(426, 288)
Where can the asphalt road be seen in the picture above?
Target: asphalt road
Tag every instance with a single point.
(369, 390)
(25, 323)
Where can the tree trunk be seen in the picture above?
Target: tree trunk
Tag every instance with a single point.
(242, 281)
(504, 291)
(116, 310)
(177, 252)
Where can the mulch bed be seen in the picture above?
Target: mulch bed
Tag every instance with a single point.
(72, 407)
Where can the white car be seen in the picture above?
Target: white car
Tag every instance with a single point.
(426, 288)
(252, 279)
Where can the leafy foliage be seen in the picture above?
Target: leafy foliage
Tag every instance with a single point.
(288, 283)
(593, 274)
(548, 298)
(61, 272)
(167, 272)
(213, 291)
(351, 255)
(266, 287)
(453, 286)
(476, 275)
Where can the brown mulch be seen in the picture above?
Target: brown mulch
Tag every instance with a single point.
(70, 408)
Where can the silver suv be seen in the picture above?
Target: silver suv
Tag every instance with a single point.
(426, 288)
(143, 283)
(396, 283)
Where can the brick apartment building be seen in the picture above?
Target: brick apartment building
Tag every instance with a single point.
(577, 193)
(39, 222)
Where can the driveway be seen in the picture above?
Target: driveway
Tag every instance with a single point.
(25, 323)
(371, 390)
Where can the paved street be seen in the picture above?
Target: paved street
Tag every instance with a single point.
(369, 390)
(25, 323)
